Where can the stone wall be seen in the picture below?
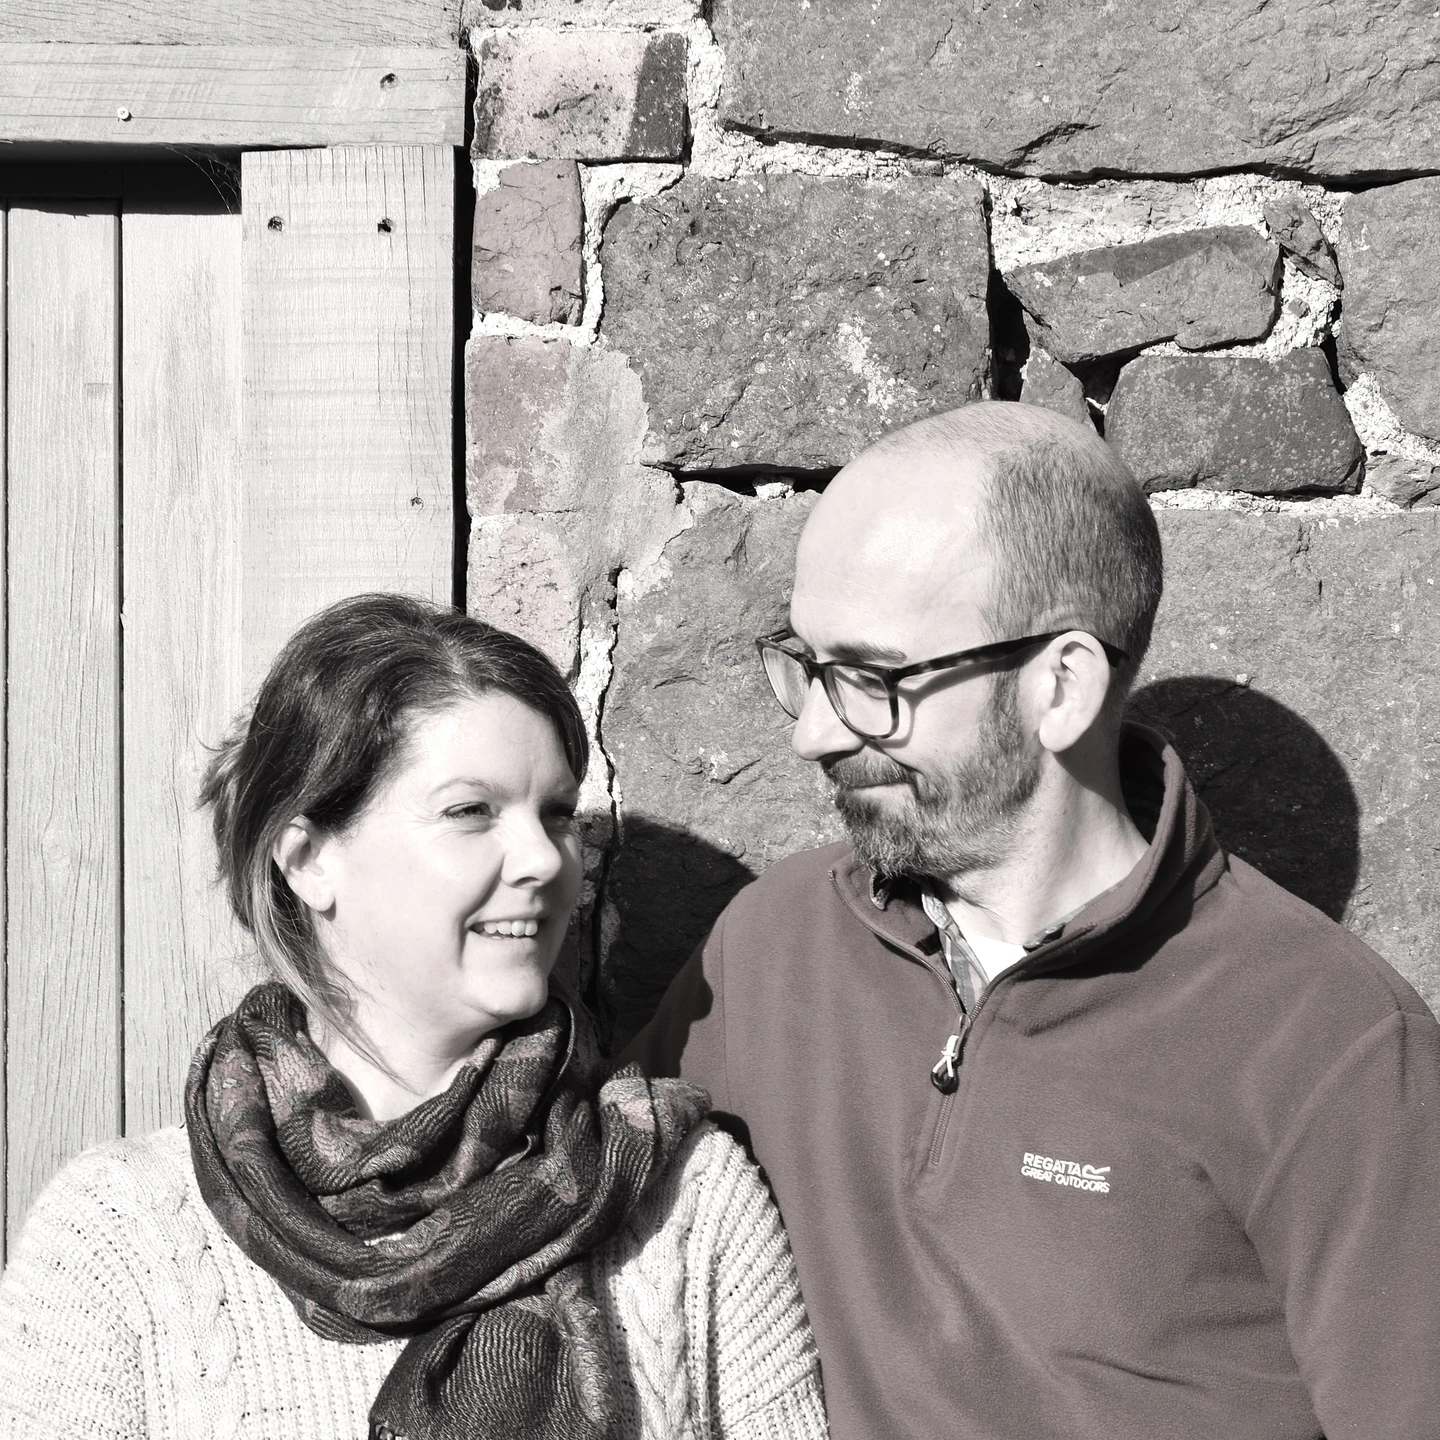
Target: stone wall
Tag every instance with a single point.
(717, 253)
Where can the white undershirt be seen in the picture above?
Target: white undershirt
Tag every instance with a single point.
(985, 960)
(995, 956)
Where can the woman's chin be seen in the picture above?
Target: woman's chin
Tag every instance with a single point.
(523, 996)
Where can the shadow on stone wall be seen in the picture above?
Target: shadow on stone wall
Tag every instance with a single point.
(670, 886)
(1278, 794)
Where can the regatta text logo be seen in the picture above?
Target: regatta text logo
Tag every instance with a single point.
(1066, 1172)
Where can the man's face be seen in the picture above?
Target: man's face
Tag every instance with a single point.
(956, 818)
(891, 583)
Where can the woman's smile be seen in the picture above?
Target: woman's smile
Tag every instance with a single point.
(508, 929)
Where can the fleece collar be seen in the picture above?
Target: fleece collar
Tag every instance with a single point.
(1181, 862)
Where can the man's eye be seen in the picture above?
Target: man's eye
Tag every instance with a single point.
(865, 682)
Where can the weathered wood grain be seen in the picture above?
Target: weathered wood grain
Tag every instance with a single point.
(181, 568)
(4, 566)
(232, 95)
(63, 841)
(348, 343)
(241, 22)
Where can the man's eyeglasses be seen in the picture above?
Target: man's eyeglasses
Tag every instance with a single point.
(865, 696)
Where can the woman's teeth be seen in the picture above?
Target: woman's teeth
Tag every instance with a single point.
(518, 928)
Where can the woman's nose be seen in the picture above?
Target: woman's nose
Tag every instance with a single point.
(533, 855)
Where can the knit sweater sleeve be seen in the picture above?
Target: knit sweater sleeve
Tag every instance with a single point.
(763, 1369)
(70, 1356)
(704, 1310)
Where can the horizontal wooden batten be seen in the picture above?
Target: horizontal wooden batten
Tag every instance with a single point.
(231, 95)
(238, 22)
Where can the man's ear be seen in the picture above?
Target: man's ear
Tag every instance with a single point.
(1077, 678)
(303, 856)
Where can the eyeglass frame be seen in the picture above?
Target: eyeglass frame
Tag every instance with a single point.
(891, 675)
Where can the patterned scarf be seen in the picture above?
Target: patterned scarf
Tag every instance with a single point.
(464, 1226)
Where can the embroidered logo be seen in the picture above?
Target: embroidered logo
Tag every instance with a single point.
(1095, 1178)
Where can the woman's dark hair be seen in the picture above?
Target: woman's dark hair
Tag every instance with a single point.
(328, 726)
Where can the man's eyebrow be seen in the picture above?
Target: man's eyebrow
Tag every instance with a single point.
(865, 651)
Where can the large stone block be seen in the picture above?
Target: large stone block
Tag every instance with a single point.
(711, 792)
(1234, 424)
(581, 95)
(558, 498)
(787, 321)
(1390, 258)
(1071, 88)
(527, 257)
(1200, 288)
(1294, 665)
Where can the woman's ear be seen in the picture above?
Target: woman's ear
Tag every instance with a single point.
(302, 854)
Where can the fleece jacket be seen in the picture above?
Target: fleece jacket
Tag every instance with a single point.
(1184, 1180)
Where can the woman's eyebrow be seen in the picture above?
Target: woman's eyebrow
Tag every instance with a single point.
(473, 781)
(567, 792)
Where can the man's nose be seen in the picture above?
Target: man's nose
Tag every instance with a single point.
(818, 730)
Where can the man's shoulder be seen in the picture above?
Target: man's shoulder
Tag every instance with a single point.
(799, 880)
(1305, 952)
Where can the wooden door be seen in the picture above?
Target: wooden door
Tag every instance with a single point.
(214, 424)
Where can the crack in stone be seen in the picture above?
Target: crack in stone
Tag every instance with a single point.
(606, 844)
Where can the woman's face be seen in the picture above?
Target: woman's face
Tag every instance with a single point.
(449, 896)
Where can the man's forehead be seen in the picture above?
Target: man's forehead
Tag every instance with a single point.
(893, 533)
(890, 604)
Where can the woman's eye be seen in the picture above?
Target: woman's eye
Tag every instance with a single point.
(479, 810)
(562, 819)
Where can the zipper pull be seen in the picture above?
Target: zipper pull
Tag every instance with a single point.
(942, 1075)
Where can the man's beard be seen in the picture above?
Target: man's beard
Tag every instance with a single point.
(959, 821)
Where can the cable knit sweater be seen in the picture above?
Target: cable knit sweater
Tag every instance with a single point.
(127, 1311)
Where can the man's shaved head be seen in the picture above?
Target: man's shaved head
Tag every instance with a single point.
(1036, 502)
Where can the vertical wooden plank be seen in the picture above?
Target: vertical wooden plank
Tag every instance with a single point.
(181, 577)
(63, 846)
(348, 337)
(4, 763)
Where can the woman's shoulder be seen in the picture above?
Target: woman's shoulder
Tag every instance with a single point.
(708, 1223)
(108, 1208)
(118, 1176)
(709, 1164)
(714, 1192)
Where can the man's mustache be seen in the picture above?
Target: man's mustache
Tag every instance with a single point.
(864, 767)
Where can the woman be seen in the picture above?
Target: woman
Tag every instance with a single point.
(403, 1204)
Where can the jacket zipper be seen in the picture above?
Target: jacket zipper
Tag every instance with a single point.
(945, 1073)
(947, 1067)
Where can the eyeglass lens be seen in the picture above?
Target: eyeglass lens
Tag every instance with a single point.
(859, 697)
(787, 679)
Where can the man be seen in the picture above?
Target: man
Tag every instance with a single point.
(1080, 1126)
